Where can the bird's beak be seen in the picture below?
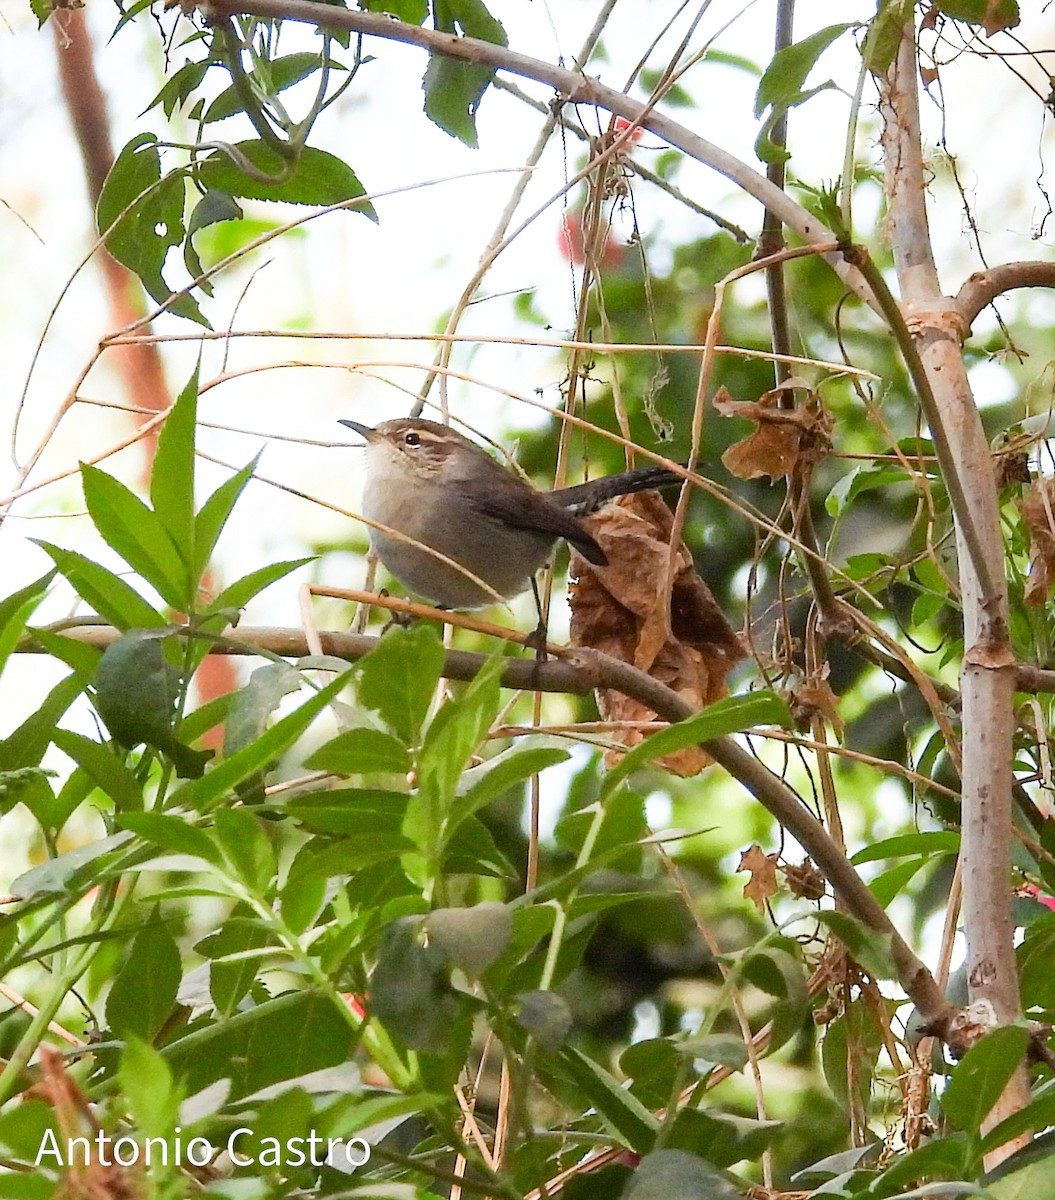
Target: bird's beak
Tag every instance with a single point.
(366, 431)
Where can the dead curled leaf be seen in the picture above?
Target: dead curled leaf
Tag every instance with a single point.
(763, 882)
(805, 880)
(783, 437)
(621, 610)
(813, 697)
(1037, 507)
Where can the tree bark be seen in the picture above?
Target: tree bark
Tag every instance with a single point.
(988, 674)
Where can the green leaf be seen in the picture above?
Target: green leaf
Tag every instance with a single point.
(454, 89)
(1033, 1179)
(204, 793)
(849, 1054)
(350, 811)
(1036, 964)
(238, 594)
(140, 214)
(471, 938)
(134, 530)
(472, 850)
(28, 786)
(360, 752)
(870, 948)
(783, 80)
(247, 849)
(349, 856)
(453, 736)
(546, 1016)
(943, 1158)
(144, 992)
(727, 716)
(723, 1139)
(858, 481)
(719, 1048)
(15, 611)
(214, 208)
(779, 973)
(108, 595)
(81, 658)
(25, 747)
(210, 520)
(480, 785)
(617, 1107)
(992, 15)
(62, 875)
(300, 899)
(136, 691)
(105, 769)
(411, 11)
(884, 34)
(317, 177)
(229, 982)
(172, 482)
(409, 989)
(399, 678)
(938, 841)
(669, 1173)
(252, 705)
(174, 834)
(282, 73)
(148, 1088)
(1038, 1114)
(179, 86)
(981, 1076)
(891, 883)
(281, 1039)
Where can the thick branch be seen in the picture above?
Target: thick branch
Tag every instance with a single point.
(983, 287)
(987, 675)
(578, 88)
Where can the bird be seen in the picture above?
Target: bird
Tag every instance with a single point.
(426, 481)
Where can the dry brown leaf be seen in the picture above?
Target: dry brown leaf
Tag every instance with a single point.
(814, 697)
(1012, 467)
(1037, 507)
(1000, 14)
(805, 880)
(763, 881)
(100, 1178)
(782, 437)
(620, 609)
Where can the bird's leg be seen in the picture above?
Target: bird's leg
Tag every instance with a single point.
(538, 639)
(398, 619)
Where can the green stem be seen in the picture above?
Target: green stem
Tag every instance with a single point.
(230, 50)
(560, 922)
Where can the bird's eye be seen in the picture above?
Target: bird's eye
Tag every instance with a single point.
(411, 438)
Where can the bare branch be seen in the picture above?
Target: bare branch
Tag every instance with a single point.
(983, 287)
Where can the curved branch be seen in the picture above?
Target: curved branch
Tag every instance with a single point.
(578, 88)
(983, 287)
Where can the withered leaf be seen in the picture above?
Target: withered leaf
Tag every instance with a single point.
(813, 697)
(782, 437)
(621, 610)
(805, 880)
(763, 881)
(1037, 507)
